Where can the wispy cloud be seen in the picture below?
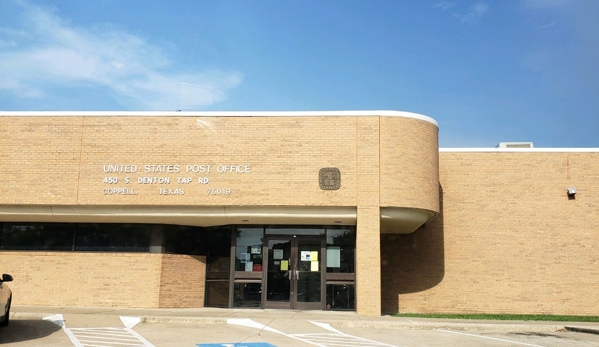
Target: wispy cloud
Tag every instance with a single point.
(567, 66)
(445, 5)
(48, 52)
(475, 13)
(471, 17)
(540, 4)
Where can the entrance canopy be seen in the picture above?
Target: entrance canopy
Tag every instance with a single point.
(393, 220)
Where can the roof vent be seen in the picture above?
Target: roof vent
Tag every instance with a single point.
(515, 145)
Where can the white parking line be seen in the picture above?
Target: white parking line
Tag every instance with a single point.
(106, 337)
(490, 338)
(103, 337)
(333, 339)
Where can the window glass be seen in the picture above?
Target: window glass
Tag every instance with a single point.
(219, 249)
(113, 237)
(186, 240)
(217, 294)
(341, 249)
(295, 231)
(247, 295)
(341, 297)
(37, 236)
(248, 252)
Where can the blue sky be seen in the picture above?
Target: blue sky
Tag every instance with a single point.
(487, 71)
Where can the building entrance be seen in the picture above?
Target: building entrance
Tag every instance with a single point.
(292, 267)
(294, 272)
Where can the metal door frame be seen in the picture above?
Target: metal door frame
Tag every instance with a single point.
(293, 272)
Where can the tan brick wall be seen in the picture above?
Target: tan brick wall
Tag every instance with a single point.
(508, 240)
(83, 279)
(64, 160)
(389, 161)
(182, 281)
(65, 156)
(39, 159)
(368, 275)
(409, 163)
(105, 279)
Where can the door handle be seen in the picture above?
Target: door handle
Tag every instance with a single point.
(297, 272)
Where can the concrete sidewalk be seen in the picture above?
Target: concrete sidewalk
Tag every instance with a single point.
(334, 318)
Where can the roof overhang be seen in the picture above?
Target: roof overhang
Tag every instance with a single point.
(393, 220)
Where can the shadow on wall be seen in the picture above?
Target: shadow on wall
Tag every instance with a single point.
(412, 262)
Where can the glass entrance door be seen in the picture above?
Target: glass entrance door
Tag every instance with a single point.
(278, 273)
(294, 272)
(308, 274)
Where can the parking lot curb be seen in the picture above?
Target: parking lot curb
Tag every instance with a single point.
(583, 330)
(358, 323)
(415, 325)
(29, 315)
(379, 324)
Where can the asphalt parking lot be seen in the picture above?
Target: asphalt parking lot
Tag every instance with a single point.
(259, 328)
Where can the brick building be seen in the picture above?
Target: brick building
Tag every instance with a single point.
(304, 210)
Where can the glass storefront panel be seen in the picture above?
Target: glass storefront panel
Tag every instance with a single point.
(37, 236)
(341, 297)
(217, 293)
(247, 295)
(248, 252)
(186, 240)
(294, 231)
(112, 237)
(341, 249)
(219, 249)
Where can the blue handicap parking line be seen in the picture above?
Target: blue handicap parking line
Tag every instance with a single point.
(238, 344)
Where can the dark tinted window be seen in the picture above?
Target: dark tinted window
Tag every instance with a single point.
(186, 240)
(113, 237)
(37, 236)
(341, 249)
(219, 251)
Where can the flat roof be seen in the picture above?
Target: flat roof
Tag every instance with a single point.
(385, 113)
(536, 149)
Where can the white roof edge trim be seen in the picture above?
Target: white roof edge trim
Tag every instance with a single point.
(536, 149)
(386, 113)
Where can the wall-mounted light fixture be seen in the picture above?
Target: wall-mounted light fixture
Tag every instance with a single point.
(571, 193)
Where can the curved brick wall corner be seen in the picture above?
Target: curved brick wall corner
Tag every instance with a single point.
(409, 155)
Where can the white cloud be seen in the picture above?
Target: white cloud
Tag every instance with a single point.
(50, 53)
(7, 44)
(540, 4)
(474, 14)
(444, 5)
(567, 64)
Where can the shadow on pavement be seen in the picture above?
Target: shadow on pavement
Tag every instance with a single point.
(27, 330)
(535, 334)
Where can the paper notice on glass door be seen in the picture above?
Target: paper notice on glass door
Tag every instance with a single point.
(314, 256)
(334, 257)
(314, 266)
(284, 265)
